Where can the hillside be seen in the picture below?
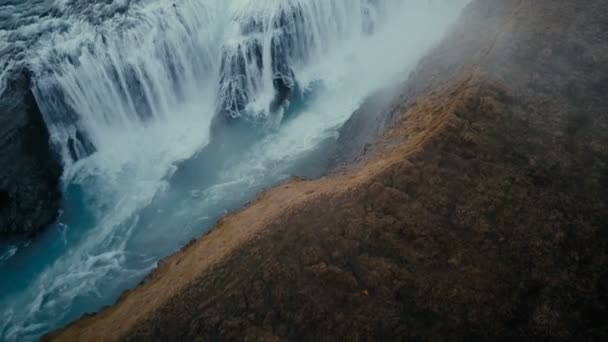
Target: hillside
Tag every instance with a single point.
(480, 213)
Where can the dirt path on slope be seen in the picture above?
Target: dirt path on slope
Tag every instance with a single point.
(480, 214)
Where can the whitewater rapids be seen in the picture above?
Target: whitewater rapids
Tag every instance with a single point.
(129, 91)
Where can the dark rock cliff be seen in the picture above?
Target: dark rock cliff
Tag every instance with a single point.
(29, 171)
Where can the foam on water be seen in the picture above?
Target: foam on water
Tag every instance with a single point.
(129, 90)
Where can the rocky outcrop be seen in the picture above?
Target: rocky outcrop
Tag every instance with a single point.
(479, 214)
(29, 172)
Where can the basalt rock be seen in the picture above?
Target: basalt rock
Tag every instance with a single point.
(30, 171)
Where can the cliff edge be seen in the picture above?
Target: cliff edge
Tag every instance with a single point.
(479, 214)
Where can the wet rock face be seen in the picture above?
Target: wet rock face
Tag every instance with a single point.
(242, 65)
(364, 127)
(5, 199)
(29, 172)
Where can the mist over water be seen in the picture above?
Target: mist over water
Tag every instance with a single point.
(167, 114)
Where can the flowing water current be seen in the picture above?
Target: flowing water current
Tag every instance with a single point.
(135, 93)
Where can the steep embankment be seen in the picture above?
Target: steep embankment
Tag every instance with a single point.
(29, 172)
(480, 213)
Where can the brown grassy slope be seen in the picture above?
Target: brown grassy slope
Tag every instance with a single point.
(480, 214)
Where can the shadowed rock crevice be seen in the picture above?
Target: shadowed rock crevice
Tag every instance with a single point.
(30, 172)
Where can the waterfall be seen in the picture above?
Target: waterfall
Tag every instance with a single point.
(150, 60)
(144, 64)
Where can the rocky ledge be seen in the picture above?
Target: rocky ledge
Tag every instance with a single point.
(479, 214)
(29, 172)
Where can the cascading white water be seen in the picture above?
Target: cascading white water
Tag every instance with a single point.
(129, 90)
(271, 41)
(147, 62)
